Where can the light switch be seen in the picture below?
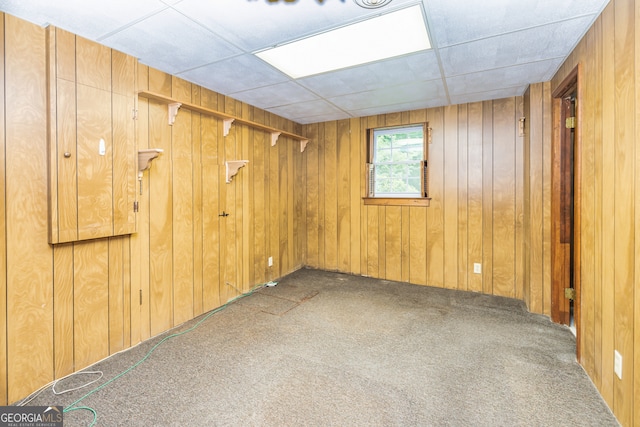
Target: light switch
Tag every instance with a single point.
(102, 149)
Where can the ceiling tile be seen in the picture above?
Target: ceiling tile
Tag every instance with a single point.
(411, 68)
(275, 95)
(254, 25)
(419, 91)
(489, 95)
(308, 109)
(551, 41)
(235, 74)
(426, 103)
(170, 42)
(518, 75)
(473, 20)
(91, 19)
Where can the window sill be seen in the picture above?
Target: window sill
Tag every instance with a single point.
(397, 201)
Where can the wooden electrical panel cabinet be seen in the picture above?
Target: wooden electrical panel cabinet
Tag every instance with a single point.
(92, 152)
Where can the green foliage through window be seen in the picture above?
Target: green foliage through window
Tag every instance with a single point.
(397, 161)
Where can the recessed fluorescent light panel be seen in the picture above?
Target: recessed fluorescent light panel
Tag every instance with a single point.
(393, 34)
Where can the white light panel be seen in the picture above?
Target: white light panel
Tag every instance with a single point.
(394, 34)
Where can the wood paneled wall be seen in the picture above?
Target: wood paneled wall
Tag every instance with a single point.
(537, 198)
(66, 306)
(609, 55)
(476, 213)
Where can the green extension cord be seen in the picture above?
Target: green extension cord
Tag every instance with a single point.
(73, 406)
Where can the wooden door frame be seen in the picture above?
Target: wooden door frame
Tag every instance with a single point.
(570, 84)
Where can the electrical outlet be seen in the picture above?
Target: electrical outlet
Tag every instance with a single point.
(617, 363)
(477, 268)
(270, 261)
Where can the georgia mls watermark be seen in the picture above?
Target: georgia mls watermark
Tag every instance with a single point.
(31, 416)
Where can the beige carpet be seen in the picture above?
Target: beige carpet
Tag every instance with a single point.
(328, 349)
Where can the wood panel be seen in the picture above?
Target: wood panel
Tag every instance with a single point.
(198, 213)
(28, 256)
(66, 141)
(535, 127)
(451, 185)
(3, 230)
(343, 176)
(90, 302)
(487, 197)
(504, 197)
(160, 222)
(116, 293)
(463, 198)
(609, 254)
(182, 215)
(95, 190)
(608, 206)
(88, 299)
(63, 315)
(434, 245)
(624, 204)
(210, 206)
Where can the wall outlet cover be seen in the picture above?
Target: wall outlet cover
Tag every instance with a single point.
(477, 268)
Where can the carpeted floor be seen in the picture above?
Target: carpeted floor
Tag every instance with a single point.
(328, 349)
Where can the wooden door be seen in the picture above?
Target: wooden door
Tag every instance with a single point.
(565, 204)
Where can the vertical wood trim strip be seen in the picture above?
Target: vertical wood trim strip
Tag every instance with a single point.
(487, 197)
(451, 188)
(3, 230)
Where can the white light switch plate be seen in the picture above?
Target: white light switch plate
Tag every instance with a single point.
(270, 261)
(617, 363)
(477, 268)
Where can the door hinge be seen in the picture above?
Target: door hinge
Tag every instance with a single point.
(135, 206)
(570, 123)
(134, 114)
(570, 293)
(140, 296)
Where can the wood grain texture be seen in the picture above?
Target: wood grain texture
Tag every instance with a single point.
(116, 293)
(182, 216)
(330, 229)
(609, 53)
(160, 223)
(63, 285)
(95, 297)
(95, 189)
(463, 198)
(435, 213)
(28, 256)
(504, 197)
(91, 302)
(475, 194)
(535, 209)
(451, 186)
(624, 265)
(487, 196)
(343, 176)
(93, 64)
(124, 172)
(3, 230)
(198, 213)
(66, 201)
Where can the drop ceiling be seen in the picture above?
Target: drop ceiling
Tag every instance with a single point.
(480, 49)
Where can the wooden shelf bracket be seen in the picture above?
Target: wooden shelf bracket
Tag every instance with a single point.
(233, 166)
(145, 157)
(173, 112)
(274, 138)
(227, 119)
(226, 126)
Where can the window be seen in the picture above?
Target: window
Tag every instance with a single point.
(397, 165)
